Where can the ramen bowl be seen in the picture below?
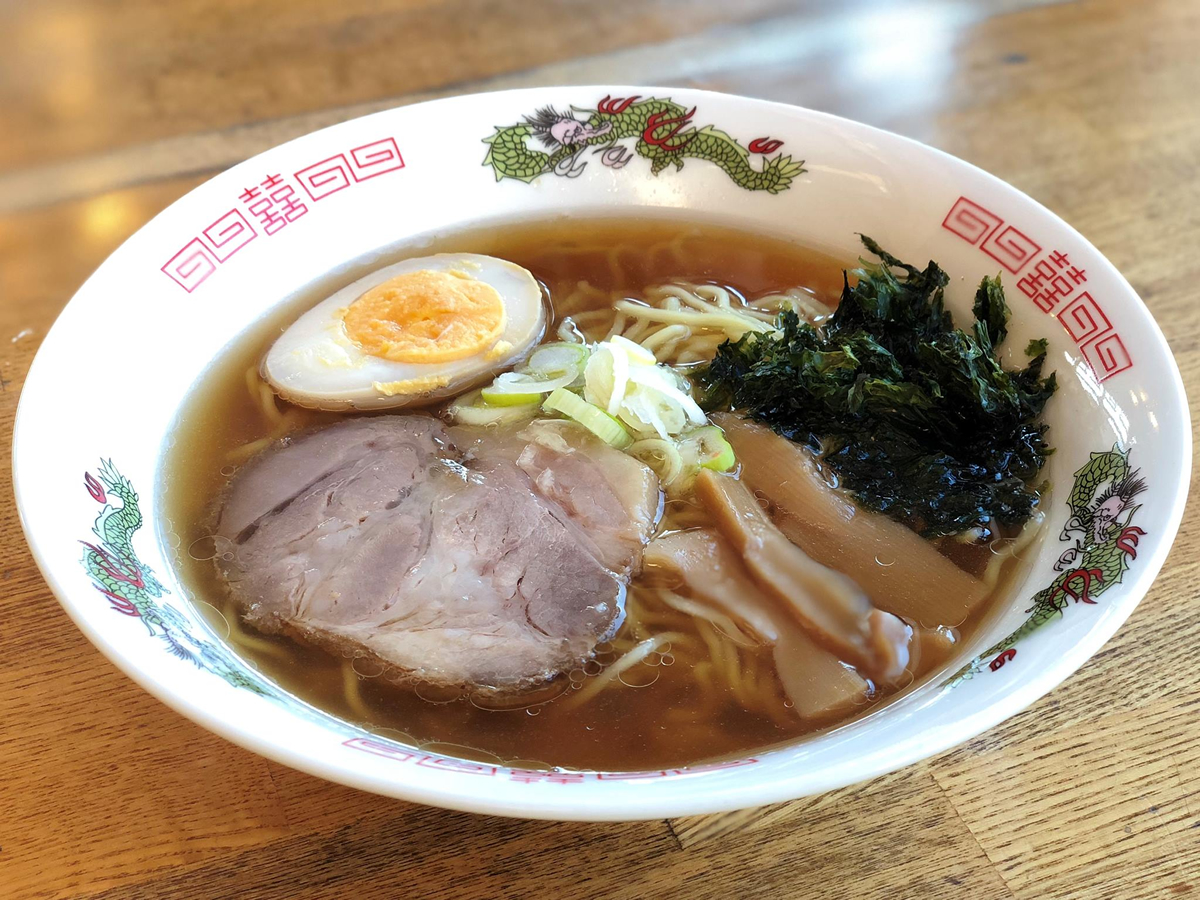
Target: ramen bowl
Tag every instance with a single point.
(97, 412)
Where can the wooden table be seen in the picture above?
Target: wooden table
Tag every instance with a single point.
(111, 110)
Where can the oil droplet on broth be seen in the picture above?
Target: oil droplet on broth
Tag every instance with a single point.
(203, 548)
(394, 734)
(215, 618)
(437, 694)
(638, 679)
(534, 765)
(462, 751)
(365, 667)
(533, 697)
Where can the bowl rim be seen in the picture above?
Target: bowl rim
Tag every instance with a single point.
(622, 806)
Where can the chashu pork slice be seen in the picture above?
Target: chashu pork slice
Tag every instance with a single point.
(454, 556)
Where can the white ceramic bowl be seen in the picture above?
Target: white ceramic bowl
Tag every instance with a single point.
(108, 380)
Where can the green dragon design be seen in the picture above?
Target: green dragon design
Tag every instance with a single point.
(1103, 541)
(661, 131)
(132, 588)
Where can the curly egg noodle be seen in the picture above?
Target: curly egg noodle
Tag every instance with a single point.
(681, 323)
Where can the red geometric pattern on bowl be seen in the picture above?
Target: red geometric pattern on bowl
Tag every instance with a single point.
(191, 265)
(274, 203)
(979, 226)
(228, 234)
(1083, 319)
(1107, 355)
(970, 221)
(1051, 281)
(200, 256)
(1011, 248)
(340, 171)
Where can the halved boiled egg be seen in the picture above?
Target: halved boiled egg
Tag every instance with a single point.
(409, 333)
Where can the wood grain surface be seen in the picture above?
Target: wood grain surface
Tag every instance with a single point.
(111, 109)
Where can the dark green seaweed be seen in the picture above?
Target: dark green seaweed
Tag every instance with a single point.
(917, 418)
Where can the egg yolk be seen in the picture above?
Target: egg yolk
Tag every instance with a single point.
(426, 317)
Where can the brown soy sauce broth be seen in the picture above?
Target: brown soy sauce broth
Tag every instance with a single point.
(679, 705)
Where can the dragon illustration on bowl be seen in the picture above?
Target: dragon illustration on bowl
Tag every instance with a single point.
(620, 128)
(1103, 541)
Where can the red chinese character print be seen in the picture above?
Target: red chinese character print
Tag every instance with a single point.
(1062, 261)
(1051, 281)
(275, 205)
(1044, 286)
(533, 776)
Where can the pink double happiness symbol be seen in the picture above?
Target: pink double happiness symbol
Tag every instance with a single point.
(274, 203)
(1052, 282)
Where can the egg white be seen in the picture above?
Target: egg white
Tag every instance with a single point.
(315, 363)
